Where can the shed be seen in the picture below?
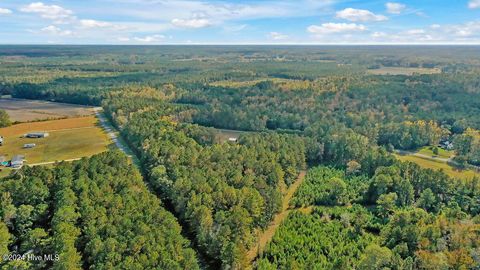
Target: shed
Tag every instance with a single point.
(37, 135)
(29, 145)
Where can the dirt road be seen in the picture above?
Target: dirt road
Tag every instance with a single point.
(267, 235)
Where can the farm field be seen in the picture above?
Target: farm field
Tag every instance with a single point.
(439, 165)
(24, 110)
(403, 71)
(69, 139)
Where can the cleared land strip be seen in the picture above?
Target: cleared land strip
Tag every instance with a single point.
(266, 236)
(114, 135)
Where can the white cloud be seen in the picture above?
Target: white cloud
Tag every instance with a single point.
(359, 15)
(378, 35)
(191, 23)
(277, 36)
(474, 4)
(123, 39)
(5, 11)
(94, 24)
(466, 30)
(395, 8)
(53, 12)
(150, 39)
(466, 33)
(219, 11)
(234, 28)
(415, 32)
(53, 30)
(422, 14)
(334, 28)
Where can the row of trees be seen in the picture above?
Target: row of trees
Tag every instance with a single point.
(411, 135)
(467, 146)
(4, 119)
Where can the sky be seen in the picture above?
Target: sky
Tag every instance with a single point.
(240, 22)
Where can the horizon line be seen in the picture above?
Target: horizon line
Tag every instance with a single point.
(242, 44)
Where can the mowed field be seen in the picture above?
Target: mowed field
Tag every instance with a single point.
(403, 71)
(439, 165)
(69, 139)
(442, 153)
(224, 134)
(23, 110)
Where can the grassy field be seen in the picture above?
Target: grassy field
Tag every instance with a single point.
(224, 134)
(69, 139)
(403, 71)
(442, 153)
(22, 110)
(439, 165)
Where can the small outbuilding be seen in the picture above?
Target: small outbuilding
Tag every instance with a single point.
(4, 161)
(1, 140)
(17, 161)
(36, 135)
(29, 145)
(232, 139)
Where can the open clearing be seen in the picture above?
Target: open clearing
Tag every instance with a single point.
(442, 153)
(439, 165)
(403, 71)
(222, 135)
(237, 84)
(69, 139)
(24, 110)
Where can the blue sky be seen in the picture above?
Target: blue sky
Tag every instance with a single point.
(240, 22)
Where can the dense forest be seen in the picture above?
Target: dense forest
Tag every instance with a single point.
(92, 215)
(223, 191)
(403, 217)
(198, 200)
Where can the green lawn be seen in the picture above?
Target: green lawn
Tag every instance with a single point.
(439, 165)
(442, 153)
